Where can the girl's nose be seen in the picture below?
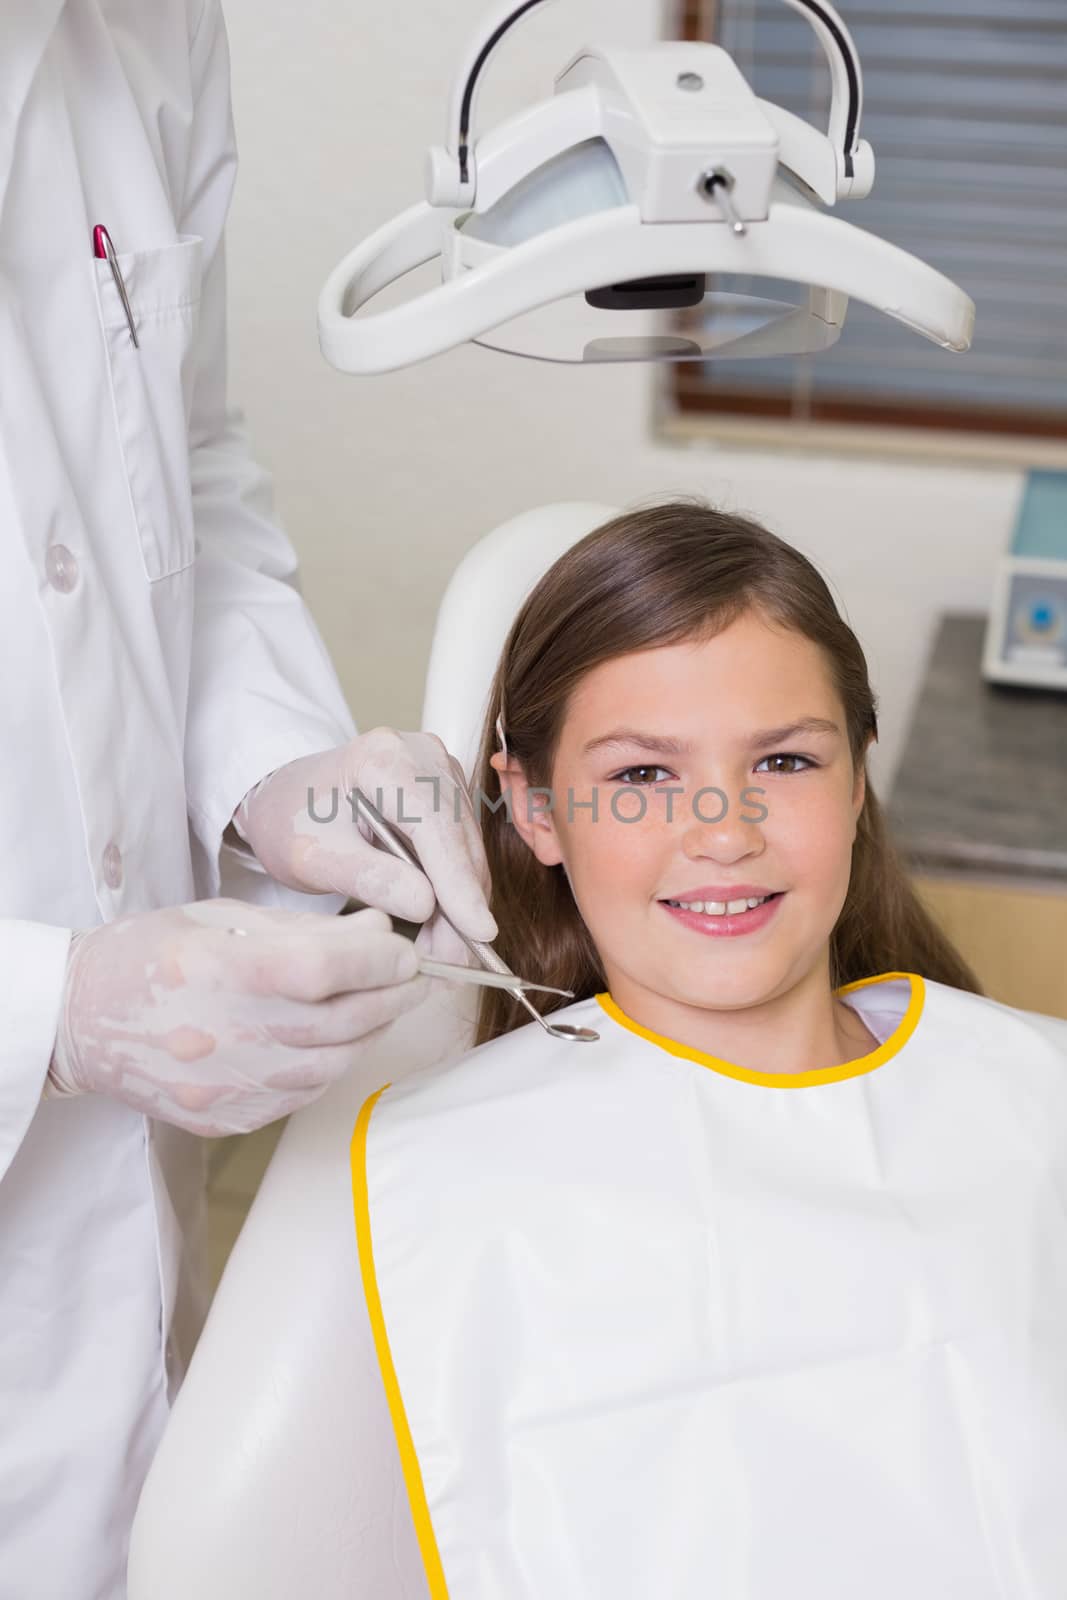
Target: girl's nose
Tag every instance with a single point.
(717, 828)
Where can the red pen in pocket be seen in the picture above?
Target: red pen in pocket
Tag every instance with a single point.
(104, 250)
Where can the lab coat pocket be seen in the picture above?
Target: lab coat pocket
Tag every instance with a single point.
(152, 386)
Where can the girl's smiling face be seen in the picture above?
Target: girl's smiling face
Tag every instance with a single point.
(748, 732)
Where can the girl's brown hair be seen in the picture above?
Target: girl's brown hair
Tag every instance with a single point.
(652, 577)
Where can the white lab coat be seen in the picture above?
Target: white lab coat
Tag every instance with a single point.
(158, 661)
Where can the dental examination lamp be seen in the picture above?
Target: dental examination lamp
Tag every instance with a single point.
(649, 175)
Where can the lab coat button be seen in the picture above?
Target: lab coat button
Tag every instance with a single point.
(61, 567)
(113, 866)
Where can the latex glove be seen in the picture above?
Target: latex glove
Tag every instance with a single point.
(438, 939)
(299, 823)
(220, 1031)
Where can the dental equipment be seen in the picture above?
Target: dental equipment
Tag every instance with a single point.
(1026, 633)
(647, 176)
(398, 845)
(488, 980)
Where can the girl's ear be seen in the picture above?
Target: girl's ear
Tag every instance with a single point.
(859, 787)
(529, 808)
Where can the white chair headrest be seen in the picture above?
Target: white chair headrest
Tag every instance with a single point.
(480, 604)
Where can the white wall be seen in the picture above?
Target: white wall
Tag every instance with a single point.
(383, 483)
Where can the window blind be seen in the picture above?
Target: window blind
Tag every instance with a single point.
(965, 105)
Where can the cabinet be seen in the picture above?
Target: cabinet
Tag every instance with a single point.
(1013, 937)
(978, 812)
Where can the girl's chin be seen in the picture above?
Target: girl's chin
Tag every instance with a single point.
(698, 991)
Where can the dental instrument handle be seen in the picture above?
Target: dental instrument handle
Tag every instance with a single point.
(491, 980)
(395, 842)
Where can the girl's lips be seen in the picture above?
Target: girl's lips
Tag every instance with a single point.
(726, 927)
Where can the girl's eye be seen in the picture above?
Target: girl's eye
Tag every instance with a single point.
(786, 755)
(625, 775)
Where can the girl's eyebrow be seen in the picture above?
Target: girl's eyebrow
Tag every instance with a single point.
(680, 747)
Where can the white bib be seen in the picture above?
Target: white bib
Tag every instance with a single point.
(655, 1327)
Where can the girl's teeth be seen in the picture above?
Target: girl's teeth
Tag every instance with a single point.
(719, 908)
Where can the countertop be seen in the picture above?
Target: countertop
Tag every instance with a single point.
(982, 783)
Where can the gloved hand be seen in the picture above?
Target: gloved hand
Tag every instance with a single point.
(222, 1016)
(299, 823)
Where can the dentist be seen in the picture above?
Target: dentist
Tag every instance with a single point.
(169, 711)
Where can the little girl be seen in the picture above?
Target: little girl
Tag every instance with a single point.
(763, 1294)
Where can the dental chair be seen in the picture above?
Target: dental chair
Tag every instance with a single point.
(260, 1489)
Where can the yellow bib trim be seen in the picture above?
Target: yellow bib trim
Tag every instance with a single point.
(409, 1461)
(794, 1080)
